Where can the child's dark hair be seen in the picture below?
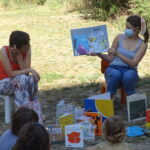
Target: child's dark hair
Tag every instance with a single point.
(33, 136)
(19, 38)
(114, 129)
(22, 116)
(135, 21)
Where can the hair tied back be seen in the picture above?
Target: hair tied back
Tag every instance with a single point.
(143, 26)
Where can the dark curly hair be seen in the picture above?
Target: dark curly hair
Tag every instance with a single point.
(33, 136)
(114, 129)
(22, 116)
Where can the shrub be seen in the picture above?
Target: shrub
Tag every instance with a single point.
(100, 9)
(7, 3)
(39, 2)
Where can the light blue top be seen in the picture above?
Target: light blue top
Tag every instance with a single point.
(127, 53)
(7, 140)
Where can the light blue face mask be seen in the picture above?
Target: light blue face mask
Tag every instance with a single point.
(129, 32)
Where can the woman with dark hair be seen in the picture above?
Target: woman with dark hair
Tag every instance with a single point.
(124, 56)
(22, 116)
(33, 136)
(16, 75)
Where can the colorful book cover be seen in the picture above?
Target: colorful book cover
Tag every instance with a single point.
(55, 133)
(147, 118)
(89, 40)
(66, 119)
(63, 108)
(78, 113)
(101, 104)
(96, 119)
(88, 130)
(136, 107)
(74, 136)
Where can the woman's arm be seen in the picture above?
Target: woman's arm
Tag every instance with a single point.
(137, 58)
(26, 62)
(7, 65)
(10, 72)
(25, 68)
(104, 56)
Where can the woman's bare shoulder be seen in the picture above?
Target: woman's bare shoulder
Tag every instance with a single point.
(3, 48)
(144, 45)
(117, 37)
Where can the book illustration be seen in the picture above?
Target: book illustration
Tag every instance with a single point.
(55, 133)
(63, 108)
(136, 105)
(100, 103)
(89, 40)
(88, 130)
(147, 118)
(104, 96)
(66, 119)
(78, 113)
(74, 135)
(96, 119)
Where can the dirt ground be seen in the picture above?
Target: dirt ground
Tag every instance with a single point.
(68, 78)
(50, 98)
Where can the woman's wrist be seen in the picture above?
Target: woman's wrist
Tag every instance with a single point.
(30, 70)
(27, 71)
(100, 55)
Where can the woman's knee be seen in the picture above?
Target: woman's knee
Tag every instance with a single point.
(130, 76)
(113, 74)
(31, 79)
(24, 80)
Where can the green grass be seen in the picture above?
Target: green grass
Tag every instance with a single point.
(48, 78)
(63, 76)
(52, 54)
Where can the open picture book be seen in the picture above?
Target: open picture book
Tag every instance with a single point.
(89, 40)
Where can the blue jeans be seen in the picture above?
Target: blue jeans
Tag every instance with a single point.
(120, 75)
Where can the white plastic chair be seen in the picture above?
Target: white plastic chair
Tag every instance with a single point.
(8, 107)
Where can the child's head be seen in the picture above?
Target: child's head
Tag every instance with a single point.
(22, 116)
(114, 129)
(20, 39)
(33, 136)
(136, 22)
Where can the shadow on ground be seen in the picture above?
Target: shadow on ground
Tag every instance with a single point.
(76, 95)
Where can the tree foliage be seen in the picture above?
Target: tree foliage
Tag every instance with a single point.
(7, 3)
(141, 7)
(103, 9)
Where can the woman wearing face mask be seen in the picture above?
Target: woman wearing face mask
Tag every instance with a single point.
(124, 56)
